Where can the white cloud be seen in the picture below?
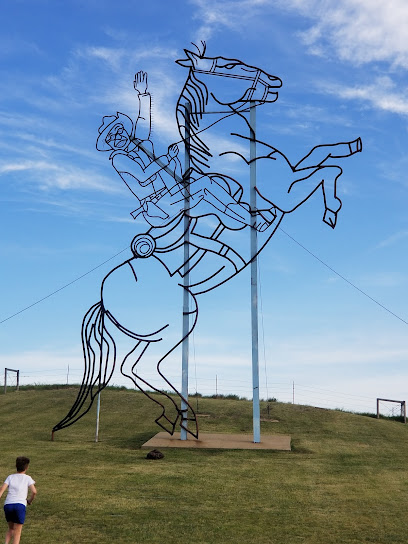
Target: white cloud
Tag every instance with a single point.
(393, 239)
(231, 14)
(384, 279)
(114, 57)
(381, 94)
(359, 31)
(109, 55)
(332, 352)
(355, 31)
(62, 176)
(349, 376)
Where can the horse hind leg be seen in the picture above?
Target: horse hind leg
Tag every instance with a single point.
(332, 203)
(186, 417)
(170, 415)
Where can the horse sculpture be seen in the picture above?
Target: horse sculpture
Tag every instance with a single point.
(217, 218)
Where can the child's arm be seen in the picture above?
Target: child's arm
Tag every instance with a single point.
(3, 489)
(33, 493)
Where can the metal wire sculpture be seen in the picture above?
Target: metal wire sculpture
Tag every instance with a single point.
(154, 272)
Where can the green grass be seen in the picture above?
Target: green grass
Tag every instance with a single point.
(346, 480)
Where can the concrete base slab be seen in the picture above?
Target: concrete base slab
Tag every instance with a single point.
(219, 441)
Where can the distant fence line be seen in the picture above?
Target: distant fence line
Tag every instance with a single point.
(285, 391)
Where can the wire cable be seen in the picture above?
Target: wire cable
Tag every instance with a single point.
(343, 278)
(63, 287)
(280, 228)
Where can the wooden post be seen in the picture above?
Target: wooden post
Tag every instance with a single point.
(98, 412)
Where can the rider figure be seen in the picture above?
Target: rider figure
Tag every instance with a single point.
(156, 182)
(132, 152)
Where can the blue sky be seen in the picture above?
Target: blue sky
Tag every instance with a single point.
(343, 63)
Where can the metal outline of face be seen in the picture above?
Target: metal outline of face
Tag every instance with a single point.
(112, 137)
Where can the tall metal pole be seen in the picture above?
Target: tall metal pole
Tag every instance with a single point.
(254, 279)
(186, 279)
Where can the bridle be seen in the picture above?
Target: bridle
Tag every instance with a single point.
(255, 79)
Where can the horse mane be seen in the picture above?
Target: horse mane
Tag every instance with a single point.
(192, 102)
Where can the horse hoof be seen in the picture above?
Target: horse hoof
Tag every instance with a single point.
(143, 245)
(166, 424)
(355, 146)
(330, 218)
(193, 432)
(191, 428)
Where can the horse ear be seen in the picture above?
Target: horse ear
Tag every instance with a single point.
(190, 61)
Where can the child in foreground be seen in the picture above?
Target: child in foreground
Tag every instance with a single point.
(16, 500)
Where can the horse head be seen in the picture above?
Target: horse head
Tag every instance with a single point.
(241, 83)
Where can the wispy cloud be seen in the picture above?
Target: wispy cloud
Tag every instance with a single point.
(334, 350)
(355, 31)
(109, 55)
(13, 46)
(385, 279)
(215, 15)
(358, 31)
(116, 57)
(48, 174)
(382, 94)
(393, 239)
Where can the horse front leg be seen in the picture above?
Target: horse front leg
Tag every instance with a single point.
(298, 186)
(332, 203)
(303, 189)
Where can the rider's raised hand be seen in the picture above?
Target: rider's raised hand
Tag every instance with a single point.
(140, 82)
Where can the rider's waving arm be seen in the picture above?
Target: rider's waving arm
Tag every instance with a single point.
(142, 125)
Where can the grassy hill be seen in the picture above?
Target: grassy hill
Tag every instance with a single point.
(346, 480)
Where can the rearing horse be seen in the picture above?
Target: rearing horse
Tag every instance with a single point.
(116, 329)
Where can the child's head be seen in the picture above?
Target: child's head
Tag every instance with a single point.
(22, 463)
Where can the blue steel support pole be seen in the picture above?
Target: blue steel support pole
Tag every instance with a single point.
(254, 280)
(186, 279)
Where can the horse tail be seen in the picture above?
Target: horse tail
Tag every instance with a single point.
(99, 351)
